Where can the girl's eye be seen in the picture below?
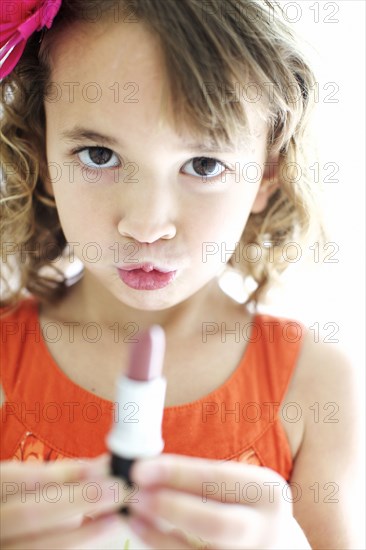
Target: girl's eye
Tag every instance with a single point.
(104, 158)
(207, 167)
(97, 157)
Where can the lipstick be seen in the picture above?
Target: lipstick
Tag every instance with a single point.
(137, 429)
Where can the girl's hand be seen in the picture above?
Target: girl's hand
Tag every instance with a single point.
(212, 504)
(43, 505)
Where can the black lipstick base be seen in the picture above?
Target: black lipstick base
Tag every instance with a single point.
(121, 467)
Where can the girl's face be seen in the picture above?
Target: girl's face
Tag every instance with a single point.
(134, 193)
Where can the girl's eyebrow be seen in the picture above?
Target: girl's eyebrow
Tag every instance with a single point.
(78, 133)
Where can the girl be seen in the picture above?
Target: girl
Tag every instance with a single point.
(157, 144)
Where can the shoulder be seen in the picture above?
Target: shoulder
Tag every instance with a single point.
(326, 369)
(323, 369)
(329, 382)
(332, 400)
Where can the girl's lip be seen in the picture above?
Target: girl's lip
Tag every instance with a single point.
(140, 279)
(146, 266)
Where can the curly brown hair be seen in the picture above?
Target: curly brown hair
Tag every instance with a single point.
(222, 42)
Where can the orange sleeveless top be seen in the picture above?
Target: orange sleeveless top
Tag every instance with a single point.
(46, 416)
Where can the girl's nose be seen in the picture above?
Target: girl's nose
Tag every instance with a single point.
(147, 217)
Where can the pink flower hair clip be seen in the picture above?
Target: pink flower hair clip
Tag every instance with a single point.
(19, 19)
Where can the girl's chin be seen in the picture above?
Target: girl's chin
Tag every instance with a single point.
(148, 300)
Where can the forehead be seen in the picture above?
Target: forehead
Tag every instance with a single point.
(112, 75)
(104, 58)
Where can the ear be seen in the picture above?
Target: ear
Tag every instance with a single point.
(269, 184)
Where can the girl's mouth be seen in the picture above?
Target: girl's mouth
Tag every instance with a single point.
(140, 279)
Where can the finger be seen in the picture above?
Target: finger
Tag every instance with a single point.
(86, 537)
(155, 538)
(222, 524)
(57, 471)
(223, 481)
(61, 501)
